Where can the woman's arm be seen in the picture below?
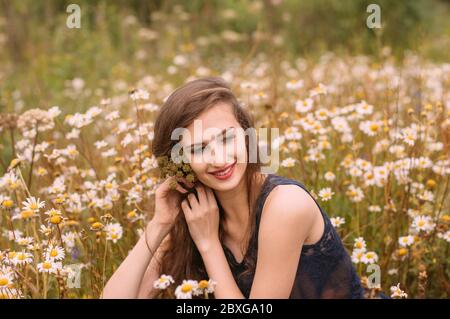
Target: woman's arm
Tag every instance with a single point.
(146, 290)
(126, 280)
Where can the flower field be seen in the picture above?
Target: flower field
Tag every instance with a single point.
(368, 135)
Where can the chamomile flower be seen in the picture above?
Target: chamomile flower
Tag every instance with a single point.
(186, 289)
(288, 162)
(6, 202)
(329, 176)
(163, 282)
(294, 84)
(374, 208)
(113, 231)
(354, 193)
(54, 216)
(303, 106)
(360, 243)
(22, 258)
(33, 204)
(6, 280)
(24, 241)
(139, 94)
(357, 255)
(406, 241)
(397, 293)
(54, 252)
(423, 223)
(325, 194)
(337, 221)
(369, 257)
(49, 266)
(371, 128)
(69, 239)
(206, 287)
(320, 89)
(46, 231)
(445, 236)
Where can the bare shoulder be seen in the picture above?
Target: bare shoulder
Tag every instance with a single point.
(291, 202)
(290, 206)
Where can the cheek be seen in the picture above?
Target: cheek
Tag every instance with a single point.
(240, 153)
(199, 168)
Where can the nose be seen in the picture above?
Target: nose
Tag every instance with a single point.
(218, 157)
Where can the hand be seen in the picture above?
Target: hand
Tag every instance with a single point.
(202, 217)
(167, 202)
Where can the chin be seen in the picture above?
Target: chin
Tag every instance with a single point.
(229, 183)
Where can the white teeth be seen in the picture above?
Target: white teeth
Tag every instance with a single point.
(225, 172)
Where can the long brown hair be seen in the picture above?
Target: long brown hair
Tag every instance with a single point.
(181, 259)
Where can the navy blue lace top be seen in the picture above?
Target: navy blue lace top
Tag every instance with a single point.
(325, 269)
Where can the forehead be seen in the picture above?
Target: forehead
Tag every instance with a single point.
(210, 123)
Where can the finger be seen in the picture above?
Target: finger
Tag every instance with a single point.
(181, 189)
(164, 187)
(185, 181)
(211, 198)
(193, 202)
(201, 195)
(186, 209)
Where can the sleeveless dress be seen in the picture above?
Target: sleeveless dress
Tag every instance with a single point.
(325, 269)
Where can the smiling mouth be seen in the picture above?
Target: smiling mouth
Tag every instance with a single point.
(224, 172)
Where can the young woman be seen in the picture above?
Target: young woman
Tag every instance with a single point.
(257, 235)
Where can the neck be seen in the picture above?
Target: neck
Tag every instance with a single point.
(235, 203)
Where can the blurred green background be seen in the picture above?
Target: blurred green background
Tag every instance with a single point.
(127, 39)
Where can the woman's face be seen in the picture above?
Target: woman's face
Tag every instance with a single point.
(215, 142)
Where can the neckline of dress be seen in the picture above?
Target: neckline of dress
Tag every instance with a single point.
(263, 187)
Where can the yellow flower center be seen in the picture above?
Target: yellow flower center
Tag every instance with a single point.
(34, 206)
(26, 214)
(7, 203)
(4, 282)
(47, 265)
(55, 219)
(359, 245)
(97, 225)
(186, 288)
(203, 284)
(402, 251)
(374, 127)
(53, 253)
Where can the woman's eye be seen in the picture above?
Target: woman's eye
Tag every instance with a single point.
(196, 150)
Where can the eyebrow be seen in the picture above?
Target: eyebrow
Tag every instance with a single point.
(221, 133)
